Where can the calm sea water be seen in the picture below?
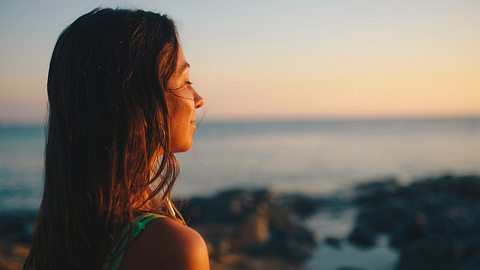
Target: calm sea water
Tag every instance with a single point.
(325, 156)
(302, 156)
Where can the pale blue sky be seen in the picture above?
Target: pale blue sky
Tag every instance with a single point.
(280, 59)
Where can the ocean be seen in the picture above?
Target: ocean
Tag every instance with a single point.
(316, 157)
(322, 157)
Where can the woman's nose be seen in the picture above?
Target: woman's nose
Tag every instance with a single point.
(199, 101)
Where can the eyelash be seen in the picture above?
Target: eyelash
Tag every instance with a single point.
(189, 82)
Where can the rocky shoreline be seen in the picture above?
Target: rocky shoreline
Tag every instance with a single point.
(253, 229)
(433, 223)
(15, 238)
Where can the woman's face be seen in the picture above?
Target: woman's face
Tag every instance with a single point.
(182, 101)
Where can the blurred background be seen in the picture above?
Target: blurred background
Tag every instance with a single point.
(302, 97)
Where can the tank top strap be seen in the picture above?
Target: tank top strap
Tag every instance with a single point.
(128, 234)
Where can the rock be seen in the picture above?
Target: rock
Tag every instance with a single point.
(333, 242)
(301, 205)
(350, 268)
(16, 229)
(362, 236)
(230, 206)
(17, 226)
(12, 257)
(255, 230)
(434, 252)
(290, 239)
(256, 224)
(434, 223)
(376, 191)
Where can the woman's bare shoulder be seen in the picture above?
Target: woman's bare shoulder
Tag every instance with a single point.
(167, 244)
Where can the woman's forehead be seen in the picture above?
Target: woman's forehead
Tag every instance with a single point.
(182, 64)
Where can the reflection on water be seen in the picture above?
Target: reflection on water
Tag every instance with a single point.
(380, 257)
(338, 224)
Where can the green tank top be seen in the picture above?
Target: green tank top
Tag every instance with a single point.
(115, 255)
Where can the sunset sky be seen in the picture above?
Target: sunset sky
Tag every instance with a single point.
(280, 59)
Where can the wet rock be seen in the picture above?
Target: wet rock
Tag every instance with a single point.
(362, 236)
(376, 191)
(13, 256)
(434, 223)
(350, 268)
(15, 237)
(255, 229)
(303, 206)
(333, 242)
(17, 226)
(255, 224)
(230, 206)
(434, 252)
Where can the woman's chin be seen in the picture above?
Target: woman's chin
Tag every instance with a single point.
(184, 147)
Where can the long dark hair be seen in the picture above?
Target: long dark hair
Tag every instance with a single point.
(108, 153)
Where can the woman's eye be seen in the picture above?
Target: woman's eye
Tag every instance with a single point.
(188, 82)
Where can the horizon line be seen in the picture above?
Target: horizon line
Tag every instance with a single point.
(215, 120)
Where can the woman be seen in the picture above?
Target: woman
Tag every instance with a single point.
(120, 105)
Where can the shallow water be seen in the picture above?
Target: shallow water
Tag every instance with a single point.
(338, 224)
